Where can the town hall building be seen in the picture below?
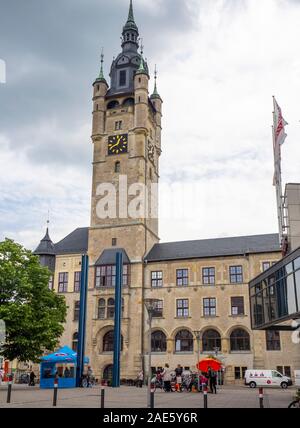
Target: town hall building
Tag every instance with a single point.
(201, 285)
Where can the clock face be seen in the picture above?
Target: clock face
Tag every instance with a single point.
(117, 144)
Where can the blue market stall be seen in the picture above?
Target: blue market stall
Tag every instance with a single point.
(63, 362)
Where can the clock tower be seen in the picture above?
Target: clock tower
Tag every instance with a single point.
(126, 137)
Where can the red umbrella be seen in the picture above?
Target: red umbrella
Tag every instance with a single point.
(207, 363)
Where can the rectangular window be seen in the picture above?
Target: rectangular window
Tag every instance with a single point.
(236, 274)
(122, 81)
(284, 370)
(77, 279)
(182, 308)
(273, 340)
(182, 277)
(118, 125)
(76, 311)
(208, 276)
(105, 276)
(239, 372)
(63, 282)
(159, 309)
(209, 307)
(266, 266)
(156, 279)
(237, 306)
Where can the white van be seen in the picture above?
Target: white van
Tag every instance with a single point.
(266, 378)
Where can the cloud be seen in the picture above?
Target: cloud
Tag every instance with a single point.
(219, 64)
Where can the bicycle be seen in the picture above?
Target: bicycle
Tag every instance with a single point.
(296, 403)
(88, 382)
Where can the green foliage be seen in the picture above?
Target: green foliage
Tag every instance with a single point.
(34, 315)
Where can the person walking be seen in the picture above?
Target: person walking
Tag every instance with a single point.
(166, 375)
(89, 376)
(1, 375)
(32, 376)
(212, 381)
(178, 373)
(140, 379)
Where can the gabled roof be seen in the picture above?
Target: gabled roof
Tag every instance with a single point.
(108, 257)
(214, 247)
(75, 242)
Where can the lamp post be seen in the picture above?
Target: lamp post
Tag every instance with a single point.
(216, 349)
(197, 334)
(151, 306)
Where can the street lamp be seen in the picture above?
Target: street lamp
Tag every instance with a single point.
(197, 334)
(216, 349)
(151, 306)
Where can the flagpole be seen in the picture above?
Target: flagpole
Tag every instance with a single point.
(277, 177)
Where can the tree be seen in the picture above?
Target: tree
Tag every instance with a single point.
(33, 314)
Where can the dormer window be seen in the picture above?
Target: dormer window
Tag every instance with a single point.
(122, 78)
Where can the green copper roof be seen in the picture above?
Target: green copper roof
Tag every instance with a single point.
(101, 77)
(155, 92)
(130, 24)
(141, 69)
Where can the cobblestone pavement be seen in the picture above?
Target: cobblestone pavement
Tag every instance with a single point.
(131, 397)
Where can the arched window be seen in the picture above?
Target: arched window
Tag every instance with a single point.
(108, 342)
(128, 102)
(112, 104)
(239, 340)
(117, 167)
(211, 339)
(75, 342)
(110, 308)
(101, 309)
(158, 341)
(184, 341)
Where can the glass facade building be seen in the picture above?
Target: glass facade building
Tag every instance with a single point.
(275, 294)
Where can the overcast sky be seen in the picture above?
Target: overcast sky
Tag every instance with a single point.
(219, 62)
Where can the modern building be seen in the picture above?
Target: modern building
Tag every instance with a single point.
(202, 285)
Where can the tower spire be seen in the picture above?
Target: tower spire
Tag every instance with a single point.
(130, 14)
(155, 92)
(130, 27)
(101, 77)
(141, 69)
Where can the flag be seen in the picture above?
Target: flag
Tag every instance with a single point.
(279, 125)
(279, 138)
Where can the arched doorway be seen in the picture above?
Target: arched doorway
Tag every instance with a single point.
(108, 373)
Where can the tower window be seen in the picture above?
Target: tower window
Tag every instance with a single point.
(114, 242)
(98, 87)
(140, 80)
(117, 167)
(118, 125)
(122, 81)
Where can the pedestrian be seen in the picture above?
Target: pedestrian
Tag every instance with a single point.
(32, 376)
(140, 379)
(1, 375)
(203, 381)
(89, 376)
(212, 380)
(67, 372)
(178, 373)
(166, 375)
